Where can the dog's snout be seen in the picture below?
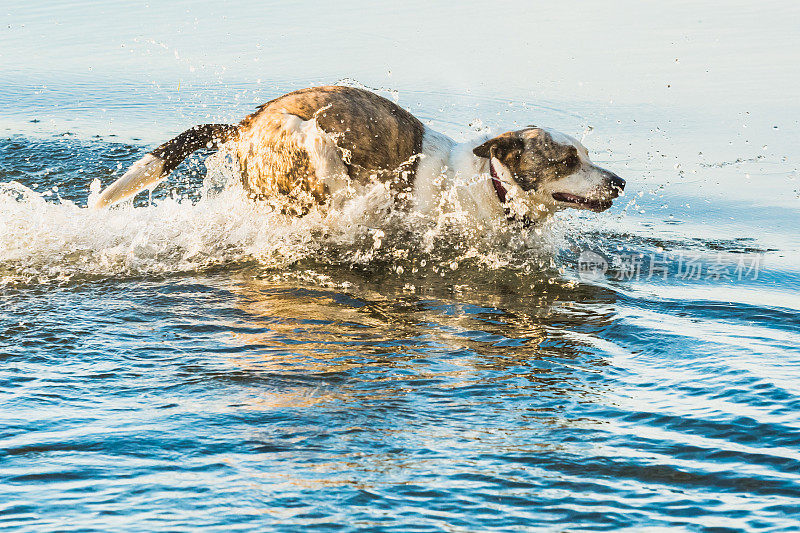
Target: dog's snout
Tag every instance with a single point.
(615, 183)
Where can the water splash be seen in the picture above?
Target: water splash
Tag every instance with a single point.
(45, 239)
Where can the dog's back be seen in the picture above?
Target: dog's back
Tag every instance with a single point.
(299, 143)
(376, 134)
(282, 147)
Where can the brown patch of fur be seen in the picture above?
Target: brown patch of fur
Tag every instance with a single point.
(272, 162)
(375, 136)
(532, 156)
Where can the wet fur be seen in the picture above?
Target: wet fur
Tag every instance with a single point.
(532, 156)
(375, 139)
(309, 144)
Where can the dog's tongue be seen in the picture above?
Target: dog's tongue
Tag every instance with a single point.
(498, 186)
(566, 197)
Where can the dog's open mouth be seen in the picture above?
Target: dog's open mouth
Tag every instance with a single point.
(579, 201)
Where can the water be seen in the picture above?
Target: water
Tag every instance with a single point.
(197, 361)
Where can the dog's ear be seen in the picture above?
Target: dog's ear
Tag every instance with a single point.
(500, 147)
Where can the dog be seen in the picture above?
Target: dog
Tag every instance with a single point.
(312, 143)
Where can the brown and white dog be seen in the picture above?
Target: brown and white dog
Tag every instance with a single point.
(311, 143)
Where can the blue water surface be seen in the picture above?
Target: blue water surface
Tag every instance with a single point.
(189, 364)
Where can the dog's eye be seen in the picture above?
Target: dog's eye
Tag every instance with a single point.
(571, 161)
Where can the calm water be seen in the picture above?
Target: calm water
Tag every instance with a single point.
(197, 362)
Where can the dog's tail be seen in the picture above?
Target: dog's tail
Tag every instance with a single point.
(157, 165)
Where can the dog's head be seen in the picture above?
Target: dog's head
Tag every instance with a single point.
(543, 170)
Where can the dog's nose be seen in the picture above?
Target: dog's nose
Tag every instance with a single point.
(616, 183)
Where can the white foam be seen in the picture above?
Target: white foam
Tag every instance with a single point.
(42, 240)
